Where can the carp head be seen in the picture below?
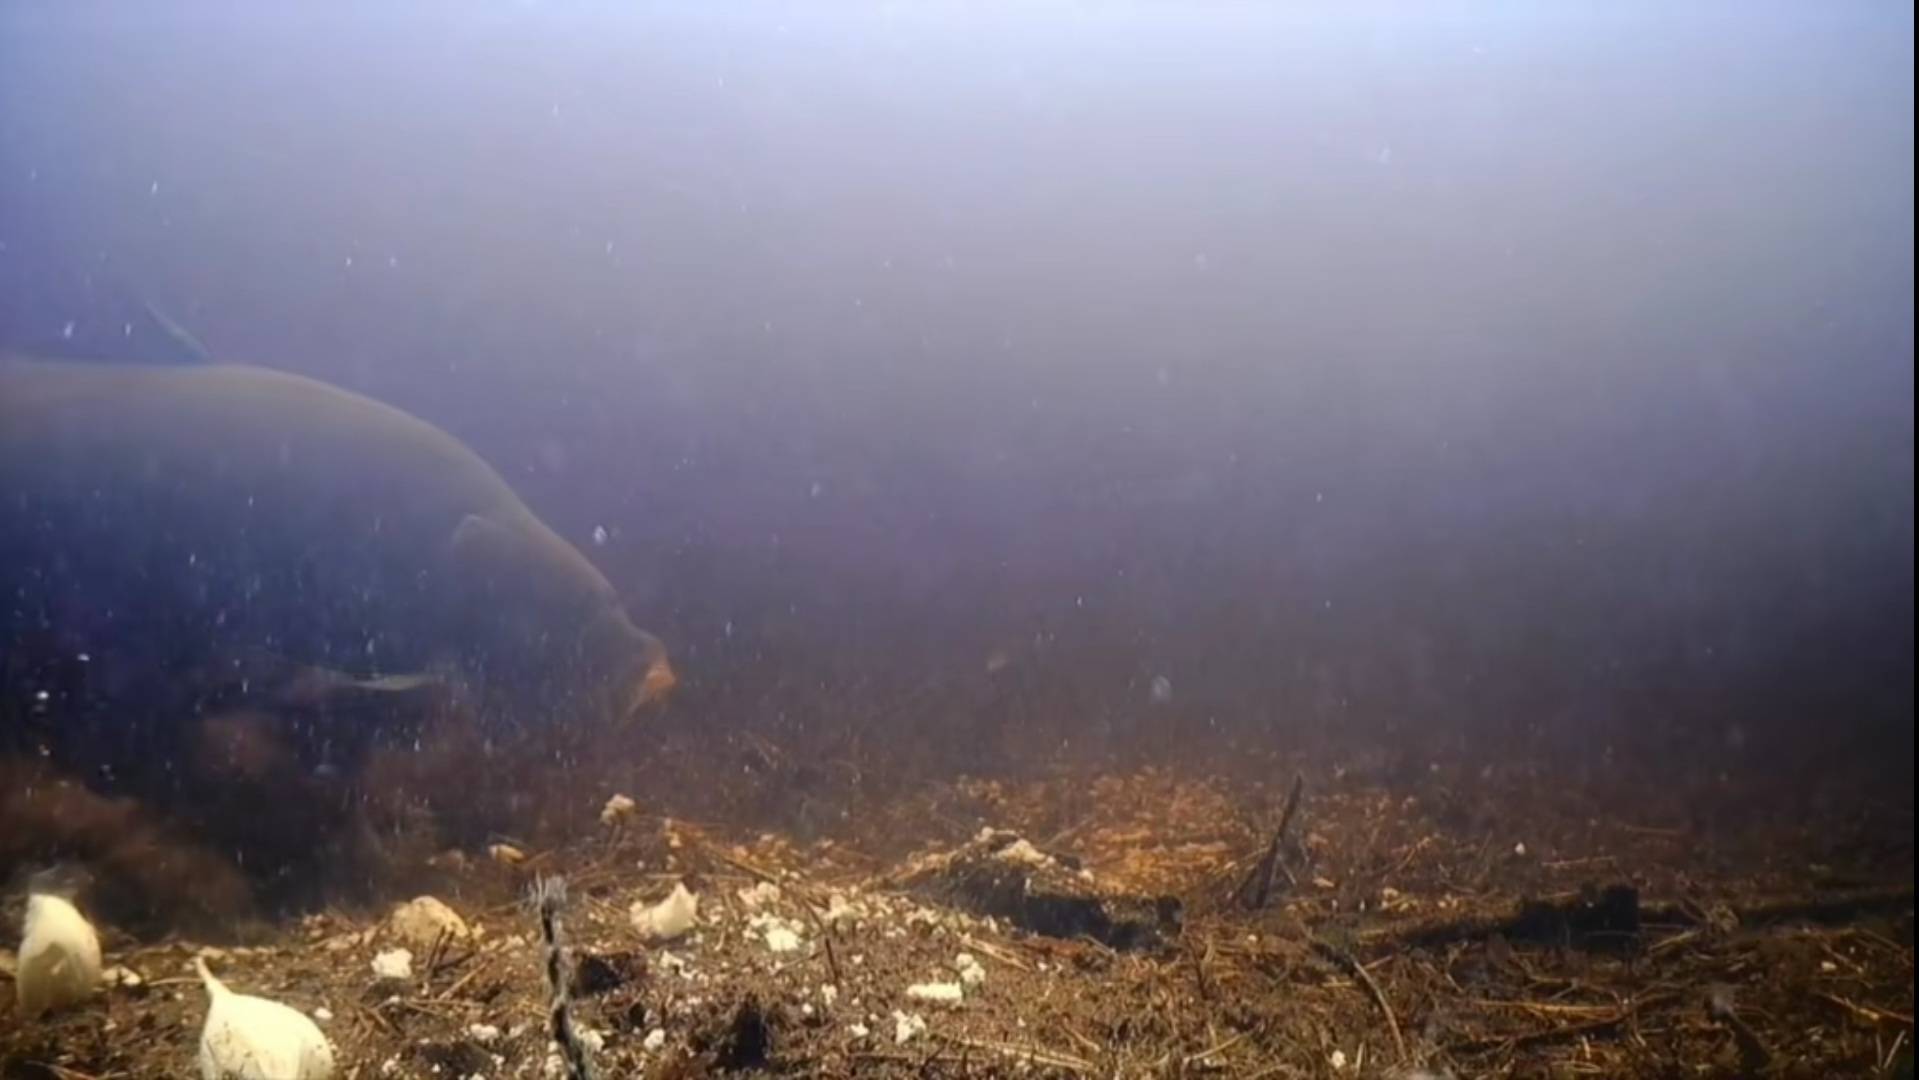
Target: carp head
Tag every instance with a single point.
(531, 585)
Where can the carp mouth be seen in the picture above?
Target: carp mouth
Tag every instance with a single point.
(656, 679)
(630, 666)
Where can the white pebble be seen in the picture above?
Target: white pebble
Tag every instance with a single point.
(970, 971)
(424, 920)
(906, 1026)
(941, 993)
(757, 896)
(393, 964)
(780, 935)
(654, 1040)
(668, 919)
(838, 908)
(59, 960)
(1023, 852)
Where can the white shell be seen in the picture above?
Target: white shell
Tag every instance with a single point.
(970, 971)
(944, 993)
(907, 1026)
(667, 919)
(59, 962)
(251, 1038)
(393, 964)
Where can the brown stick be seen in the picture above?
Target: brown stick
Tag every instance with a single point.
(1351, 963)
(1569, 1031)
(1866, 1012)
(987, 947)
(826, 937)
(460, 983)
(1257, 887)
(1199, 971)
(1035, 1054)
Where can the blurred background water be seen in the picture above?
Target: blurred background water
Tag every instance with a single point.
(1058, 380)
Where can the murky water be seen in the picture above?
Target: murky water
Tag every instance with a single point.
(420, 426)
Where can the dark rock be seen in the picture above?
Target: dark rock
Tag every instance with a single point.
(1000, 874)
(594, 975)
(748, 1041)
(458, 1058)
(1597, 919)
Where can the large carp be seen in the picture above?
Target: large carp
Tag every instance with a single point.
(215, 510)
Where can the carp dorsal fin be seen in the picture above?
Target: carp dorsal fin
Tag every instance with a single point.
(177, 344)
(53, 309)
(59, 302)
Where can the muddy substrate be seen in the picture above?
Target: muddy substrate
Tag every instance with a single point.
(1471, 925)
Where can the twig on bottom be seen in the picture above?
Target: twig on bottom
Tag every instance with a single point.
(1034, 1054)
(1257, 886)
(1351, 963)
(826, 939)
(1866, 1012)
